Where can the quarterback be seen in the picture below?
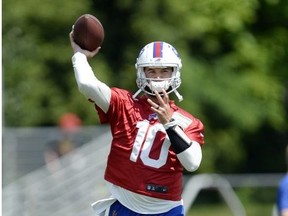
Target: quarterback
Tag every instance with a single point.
(153, 138)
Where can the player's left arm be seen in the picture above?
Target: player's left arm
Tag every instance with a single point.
(188, 151)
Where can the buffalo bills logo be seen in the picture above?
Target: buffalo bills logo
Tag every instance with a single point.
(152, 116)
(175, 51)
(141, 52)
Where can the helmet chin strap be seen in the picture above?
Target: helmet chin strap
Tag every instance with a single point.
(180, 97)
(137, 93)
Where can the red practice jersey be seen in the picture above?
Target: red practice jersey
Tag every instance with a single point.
(141, 159)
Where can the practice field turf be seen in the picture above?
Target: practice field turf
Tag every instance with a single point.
(223, 210)
(257, 202)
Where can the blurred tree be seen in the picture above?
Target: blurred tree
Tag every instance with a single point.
(234, 74)
(38, 81)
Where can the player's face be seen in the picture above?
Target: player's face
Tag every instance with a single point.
(158, 73)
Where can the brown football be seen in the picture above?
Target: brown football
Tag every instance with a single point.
(88, 32)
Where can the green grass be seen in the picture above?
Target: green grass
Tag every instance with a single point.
(257, 202)
(222, 210)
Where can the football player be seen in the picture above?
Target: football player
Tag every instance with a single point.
(153, 138)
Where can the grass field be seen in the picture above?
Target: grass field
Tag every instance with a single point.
(223, 210)
(257, 202)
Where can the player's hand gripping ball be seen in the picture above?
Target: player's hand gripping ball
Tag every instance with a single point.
(88, 32)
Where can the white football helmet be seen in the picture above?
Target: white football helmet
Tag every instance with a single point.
(158, 54)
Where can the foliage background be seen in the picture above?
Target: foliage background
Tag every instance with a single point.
(234, 75)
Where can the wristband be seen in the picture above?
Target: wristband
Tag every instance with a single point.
(171, 123)
(179, 140)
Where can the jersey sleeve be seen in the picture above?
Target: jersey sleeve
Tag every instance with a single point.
(119, 98)
(196, 131)
(191, 126)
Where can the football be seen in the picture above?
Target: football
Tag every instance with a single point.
(88, 32)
